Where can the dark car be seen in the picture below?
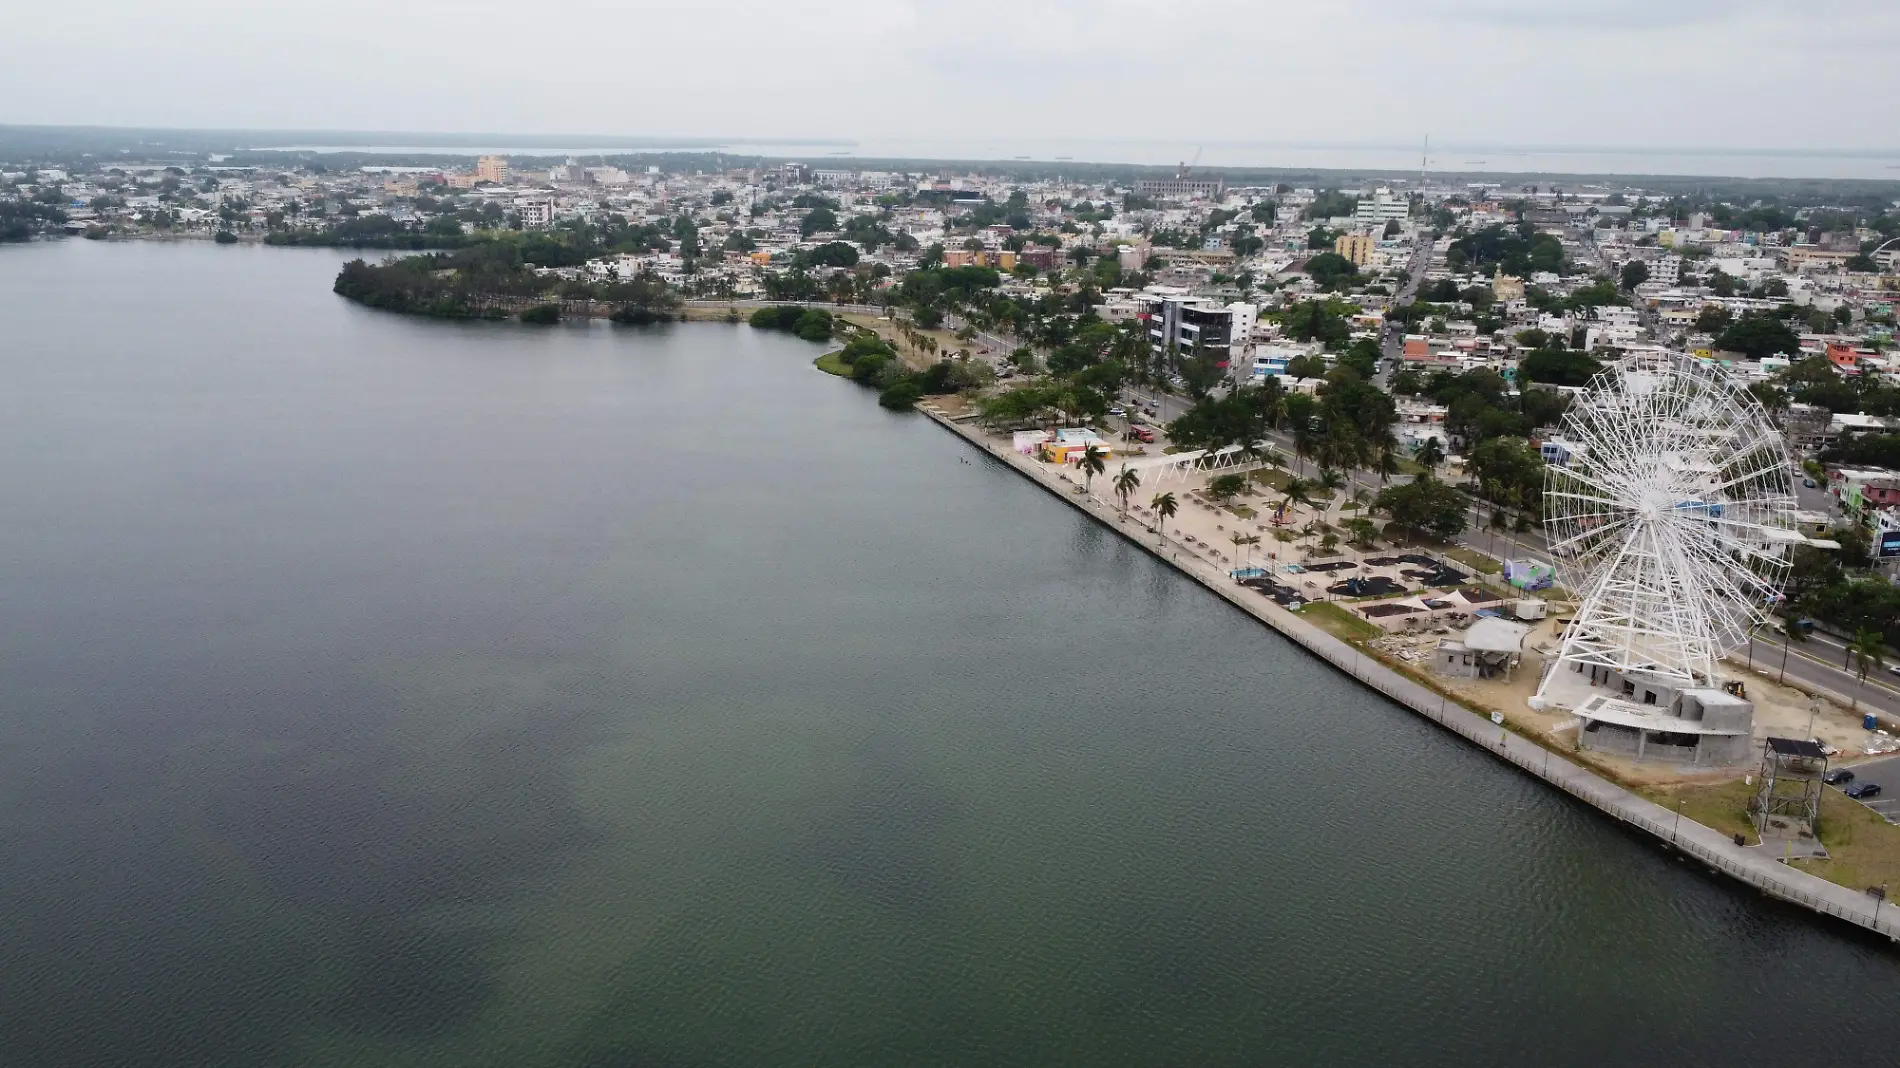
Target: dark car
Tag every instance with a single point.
(1838, 777)
(1861, 791)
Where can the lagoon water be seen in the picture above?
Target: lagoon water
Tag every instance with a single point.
(382, 692)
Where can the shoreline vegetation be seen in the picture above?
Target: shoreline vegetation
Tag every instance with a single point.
(490, 282)
(868, 359)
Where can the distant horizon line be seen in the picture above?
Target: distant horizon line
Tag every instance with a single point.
(321, 135)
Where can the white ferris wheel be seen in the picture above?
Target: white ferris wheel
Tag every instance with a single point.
(1671, 519)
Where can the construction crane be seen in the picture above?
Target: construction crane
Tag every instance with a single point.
(1187, 169)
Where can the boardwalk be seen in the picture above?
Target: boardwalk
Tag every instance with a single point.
(1713, 849)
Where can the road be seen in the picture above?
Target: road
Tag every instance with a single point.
(1818, 663)
(1393, 345)
(1883, 772)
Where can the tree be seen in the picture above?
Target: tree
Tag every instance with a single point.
(1164, 506)
(1558, 366)
(1635, 273)
(1430, 454)
(1713, 319)
(1094, 461)
(1364, 531)
(1424, 506)
(819, 220)
(1759, 335)
(1126, 483)
(1791, 632)
(1387, 462)
(1298, 491)
(1224, 488)
(1868, 650)
(1328, 268)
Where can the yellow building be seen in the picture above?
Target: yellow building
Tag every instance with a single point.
(492, 169)
(1356, 247)
(1505, 287)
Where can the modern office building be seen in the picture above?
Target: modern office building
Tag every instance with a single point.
(1179, 325)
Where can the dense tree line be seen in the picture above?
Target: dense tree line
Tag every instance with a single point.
(479, 280)
(21, 219)
(1865, 450)
(1498, 249)
(812, 324)
(1816, 381)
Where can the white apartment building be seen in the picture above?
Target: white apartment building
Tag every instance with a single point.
(535, 211)
(1382, 207)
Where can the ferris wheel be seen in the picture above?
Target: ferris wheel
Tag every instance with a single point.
(1670, 518)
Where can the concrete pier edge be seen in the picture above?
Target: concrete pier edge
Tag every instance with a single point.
(1714, 850)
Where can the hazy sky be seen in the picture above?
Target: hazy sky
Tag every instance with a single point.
(1716, 73)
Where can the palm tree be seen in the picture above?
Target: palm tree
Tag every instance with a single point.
(1298, 491)
(1791, 632)
(1094, 462)
(1250, 541)
(1331, 480)
(1164, 506)
(1388, 464)
(1126, 483)
(1430, 454)
(1868, 650)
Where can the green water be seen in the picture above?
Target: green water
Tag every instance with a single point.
(382, 692)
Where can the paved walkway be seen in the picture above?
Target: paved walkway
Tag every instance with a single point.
(1715, 850)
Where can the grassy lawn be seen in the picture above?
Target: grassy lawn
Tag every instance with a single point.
(830, 364)
(1865, 848)
(1271, 477)
(1242, 511)
(1338, 622)
(1411, 468)
(1723, 806)
(1475, 560)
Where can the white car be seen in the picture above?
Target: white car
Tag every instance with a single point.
(1118, 410)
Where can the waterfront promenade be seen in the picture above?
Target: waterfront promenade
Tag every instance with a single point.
(1718, 852)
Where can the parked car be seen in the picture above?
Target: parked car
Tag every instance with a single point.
(1838, 777)
(1861, 791)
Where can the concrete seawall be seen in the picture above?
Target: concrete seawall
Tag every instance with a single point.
(1714, 850)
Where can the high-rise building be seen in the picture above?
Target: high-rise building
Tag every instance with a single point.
(1383, 207)
(492, 169)
(1356, 247)
(1181, 325)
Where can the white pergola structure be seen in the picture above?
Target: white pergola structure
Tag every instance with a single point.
(1672, 520)
(1174, 467)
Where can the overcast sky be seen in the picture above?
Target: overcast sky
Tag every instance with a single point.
(1705, 73)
